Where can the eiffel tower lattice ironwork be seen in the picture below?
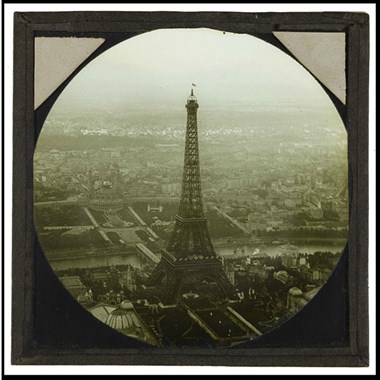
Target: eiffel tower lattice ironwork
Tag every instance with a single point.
(190, 255)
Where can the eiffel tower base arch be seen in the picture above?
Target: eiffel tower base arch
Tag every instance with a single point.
(173, 276)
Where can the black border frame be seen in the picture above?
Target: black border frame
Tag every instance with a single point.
(28, 25)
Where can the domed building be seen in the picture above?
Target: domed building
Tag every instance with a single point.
(296, 299)
(124, 319)
(106, 195)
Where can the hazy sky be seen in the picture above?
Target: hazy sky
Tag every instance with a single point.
(158, 68)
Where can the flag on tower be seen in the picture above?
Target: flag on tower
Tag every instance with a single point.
(194, 85)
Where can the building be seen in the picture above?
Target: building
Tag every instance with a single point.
(283, 277)
(230, 272)
(259, 271)
(104, 191)
(155, 209)
(289, 260)
(296, 299)
(74, 285)
(126, 279)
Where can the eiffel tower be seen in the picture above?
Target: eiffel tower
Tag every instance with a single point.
(190, 256)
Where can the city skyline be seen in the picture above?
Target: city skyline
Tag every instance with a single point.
(99, 101)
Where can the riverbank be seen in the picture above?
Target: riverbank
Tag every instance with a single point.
(109, 257)
(276, 250)
(290, 240)
(89, 253)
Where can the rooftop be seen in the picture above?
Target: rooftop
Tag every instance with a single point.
(71, 281)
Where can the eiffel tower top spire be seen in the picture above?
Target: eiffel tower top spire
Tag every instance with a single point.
(191, 205)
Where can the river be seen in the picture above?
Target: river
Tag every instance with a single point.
(93, 262)
(134, 260)
(275, 250)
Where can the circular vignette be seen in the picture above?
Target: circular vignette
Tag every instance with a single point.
(108, 167)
